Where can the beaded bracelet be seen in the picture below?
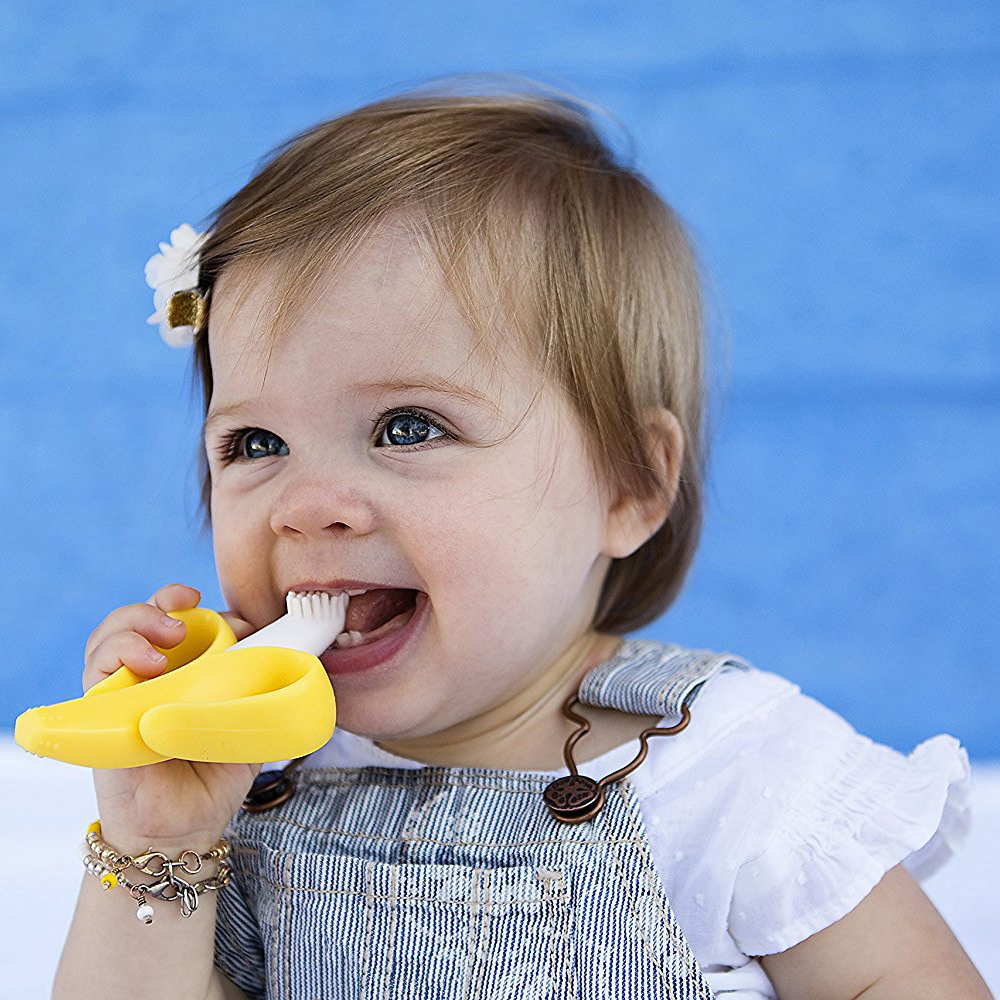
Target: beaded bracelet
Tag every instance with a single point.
(100, 860)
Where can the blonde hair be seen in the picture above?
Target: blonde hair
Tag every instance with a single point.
(593, 269)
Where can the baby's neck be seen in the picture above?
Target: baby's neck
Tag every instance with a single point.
(528, 731)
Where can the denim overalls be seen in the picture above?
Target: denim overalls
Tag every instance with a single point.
(455, 882)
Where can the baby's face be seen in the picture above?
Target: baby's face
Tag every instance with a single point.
(503, 533)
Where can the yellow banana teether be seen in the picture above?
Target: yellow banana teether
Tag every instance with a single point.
(265, 698)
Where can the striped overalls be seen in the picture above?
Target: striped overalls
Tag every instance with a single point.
(455, 882)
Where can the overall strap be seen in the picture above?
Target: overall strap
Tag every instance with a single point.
(642, 678)
(645, 677)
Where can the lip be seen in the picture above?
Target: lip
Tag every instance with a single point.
(354, 659)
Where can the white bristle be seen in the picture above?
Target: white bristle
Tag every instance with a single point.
(311, 623)
(316, 605)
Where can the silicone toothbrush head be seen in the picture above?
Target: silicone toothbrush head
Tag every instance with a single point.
(313, 620)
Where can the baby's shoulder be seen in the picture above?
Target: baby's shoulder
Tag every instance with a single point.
(792, 814)
(752, 728)
(737, 714)
(799, 777)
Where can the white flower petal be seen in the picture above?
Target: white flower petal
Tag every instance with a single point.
(173, 269)
(177, 336)
(184, 235)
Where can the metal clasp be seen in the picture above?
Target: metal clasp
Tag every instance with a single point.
(575, 798)
(171, 885)
(186, 891)
(271, 788)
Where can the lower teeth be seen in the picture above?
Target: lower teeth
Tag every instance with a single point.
(346, 640)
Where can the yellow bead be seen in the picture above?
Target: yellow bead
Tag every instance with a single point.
(109, 880)
(95, 827)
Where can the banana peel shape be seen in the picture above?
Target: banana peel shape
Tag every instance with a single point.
(211, 704)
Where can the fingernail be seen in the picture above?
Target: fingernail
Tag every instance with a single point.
(155, 656)
(174, 622)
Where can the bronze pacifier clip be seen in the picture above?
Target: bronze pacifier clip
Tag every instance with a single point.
(576, 798)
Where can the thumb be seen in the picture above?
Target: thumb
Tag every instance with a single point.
(241, 628)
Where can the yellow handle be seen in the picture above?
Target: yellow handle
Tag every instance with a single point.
(248, 706)
(281, 705)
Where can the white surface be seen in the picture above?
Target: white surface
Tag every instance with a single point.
(48, 806)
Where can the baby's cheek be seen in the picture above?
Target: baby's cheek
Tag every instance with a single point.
(476, 577)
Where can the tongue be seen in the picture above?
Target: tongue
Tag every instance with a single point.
(367, 611)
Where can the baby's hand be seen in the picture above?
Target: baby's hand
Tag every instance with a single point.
(126, 636)
(175, 804)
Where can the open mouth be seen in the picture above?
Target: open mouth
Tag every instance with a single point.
(389, 624)
(375, 614)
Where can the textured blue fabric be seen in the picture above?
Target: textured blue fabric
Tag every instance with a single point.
(653, 678)
(456, 882)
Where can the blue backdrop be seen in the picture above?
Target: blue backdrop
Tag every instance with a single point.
(836, 163)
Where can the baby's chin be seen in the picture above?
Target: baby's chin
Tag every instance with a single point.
(394, 714)
(386, 708)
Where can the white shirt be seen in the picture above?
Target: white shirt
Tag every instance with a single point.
(769, 817)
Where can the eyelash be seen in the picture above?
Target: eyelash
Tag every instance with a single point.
(228, 449)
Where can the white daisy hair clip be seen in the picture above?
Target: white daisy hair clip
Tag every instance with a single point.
(173, 275)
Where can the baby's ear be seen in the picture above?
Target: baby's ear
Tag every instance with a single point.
(632, 522)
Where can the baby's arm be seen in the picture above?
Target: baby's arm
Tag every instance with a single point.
(182, 806)
(893, 945)
(109, 954)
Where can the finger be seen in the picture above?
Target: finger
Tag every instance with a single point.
(175, 597)
(123, 649)
(148, 621)
(241, 628)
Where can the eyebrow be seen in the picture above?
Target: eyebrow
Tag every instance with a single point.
(442, 386)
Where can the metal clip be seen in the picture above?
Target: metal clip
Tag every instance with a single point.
(187, 892)
(575, 798)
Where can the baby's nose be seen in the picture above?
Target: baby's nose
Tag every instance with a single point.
(316, 507)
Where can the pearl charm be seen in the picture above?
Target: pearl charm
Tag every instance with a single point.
(144, 914)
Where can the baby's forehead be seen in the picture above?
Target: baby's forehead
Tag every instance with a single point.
(389, 295)
(377, 274)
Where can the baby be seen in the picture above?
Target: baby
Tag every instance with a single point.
(452, 361)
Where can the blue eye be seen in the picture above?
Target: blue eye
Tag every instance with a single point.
(233, 446)
(402, 425)
(404, 430)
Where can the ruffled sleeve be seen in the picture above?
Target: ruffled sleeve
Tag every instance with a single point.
(850, 810)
